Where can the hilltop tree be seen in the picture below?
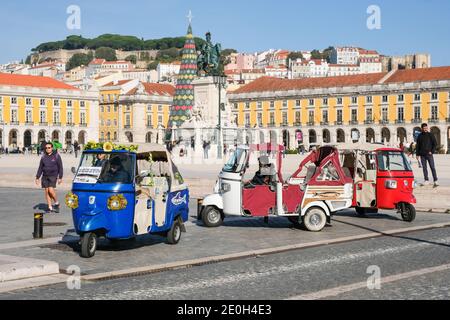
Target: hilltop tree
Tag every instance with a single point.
(132, 58)
(79, 59)
(106, 53)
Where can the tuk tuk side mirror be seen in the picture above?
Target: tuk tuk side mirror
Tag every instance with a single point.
(74, 171)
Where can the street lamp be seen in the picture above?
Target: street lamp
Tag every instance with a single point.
(220, 83)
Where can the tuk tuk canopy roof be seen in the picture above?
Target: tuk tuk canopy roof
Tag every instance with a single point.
(368, 147)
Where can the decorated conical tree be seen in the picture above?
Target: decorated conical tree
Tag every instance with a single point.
(183, 100)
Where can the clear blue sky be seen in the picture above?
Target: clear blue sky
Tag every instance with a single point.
(247, 25)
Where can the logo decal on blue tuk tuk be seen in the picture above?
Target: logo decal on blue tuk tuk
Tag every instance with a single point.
(91, 199)
(177, 200)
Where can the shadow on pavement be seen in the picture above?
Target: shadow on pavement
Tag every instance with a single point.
(392, 235)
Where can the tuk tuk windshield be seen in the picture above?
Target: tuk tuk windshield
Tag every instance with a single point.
(393, 161)
(237, 161)
(105, 168)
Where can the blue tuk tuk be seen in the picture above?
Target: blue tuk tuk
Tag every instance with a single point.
(123, 191)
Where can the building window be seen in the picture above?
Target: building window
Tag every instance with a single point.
(149, 120)
(42, 116)
(339, 116)
(354, 100)
(354, 115)
(82, 118)
(311, 117)
(311, 102)
(272, 104)
(369, 99)
(285, 118)
(434, 113)
(417, 97)
(259, 105)
(401, 98)
(297, 117)
(115, 122)
(108, 123)
(325, 101)
(115, 136)
(235, 105)
(434, 96)
(385, 99)
(160, 108)
(247, 105)
(42, 102)
(14, 115)
(259, 118)
(417, 113)
(116, 108)
(13, 100)
(1, 100)
(339, 101)
(28, 101)
(56, 103)
(285, 104)
(29, 116)
(369, 115)
(149, 108)
(160, 120)
(401, 114)
(108, 108)
(247, 119)
(102, 109)
(82, 104)
(325, 116)
(1, 116)
(384, 114)
(298, 103)
(69, 117)
(55, 117)
(272, 119)
(128, 120)
(102, 136)
(69, 103)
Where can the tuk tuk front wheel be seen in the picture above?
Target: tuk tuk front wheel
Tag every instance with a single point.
(88, 245)
(315, 219)
(212, 217)
(174, 234)
(408, 212)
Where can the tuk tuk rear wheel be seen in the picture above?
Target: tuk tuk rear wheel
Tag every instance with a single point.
(88, 245)
(174, 234)
(212, 217)
(408, 212)
(315, 219)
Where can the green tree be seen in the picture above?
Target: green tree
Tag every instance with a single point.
(294, 56)
(79, 59)
(153, 65)
(132, 58)
(106, 53)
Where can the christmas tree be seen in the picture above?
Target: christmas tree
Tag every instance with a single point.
(183, 100)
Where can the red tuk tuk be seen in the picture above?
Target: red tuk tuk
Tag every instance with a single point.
(309, 197)
(383, 179)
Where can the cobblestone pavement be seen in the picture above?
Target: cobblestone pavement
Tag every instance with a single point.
(237, 235)
(286, 275)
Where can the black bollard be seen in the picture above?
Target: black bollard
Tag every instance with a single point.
(38, 226)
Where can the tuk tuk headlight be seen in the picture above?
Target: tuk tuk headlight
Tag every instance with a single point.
(391, 184)
(117, 202)
(71, 200)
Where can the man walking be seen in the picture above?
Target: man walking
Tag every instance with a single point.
(76, 147)
(50, 172)
(426, 146)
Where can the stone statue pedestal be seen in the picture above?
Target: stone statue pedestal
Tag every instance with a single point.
(206, 95)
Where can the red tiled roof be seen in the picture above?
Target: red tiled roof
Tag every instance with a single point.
(98, 61)
(118, 83)
(415, 75)
(275, 84)
(156, 89)
(33, 81)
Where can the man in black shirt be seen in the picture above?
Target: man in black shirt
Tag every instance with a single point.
(426, 146)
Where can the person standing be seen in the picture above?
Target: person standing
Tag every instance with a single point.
(50, 172)
(426, 147)
(76, 148)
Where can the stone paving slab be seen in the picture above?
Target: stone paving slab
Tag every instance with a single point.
(15, 268)
(237, 235)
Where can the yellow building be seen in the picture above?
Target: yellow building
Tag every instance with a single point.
(35, 109)
(145, 112)
(382, 107)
